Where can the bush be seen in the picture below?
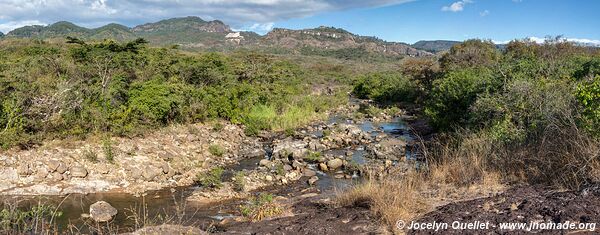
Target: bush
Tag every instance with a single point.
(588, 95)
(212, 178)
(385, 88)
(216, 150)
(261, 207)
(453, 95)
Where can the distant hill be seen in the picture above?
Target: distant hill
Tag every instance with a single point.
(434, 46)
(328, 38)
(195, 33)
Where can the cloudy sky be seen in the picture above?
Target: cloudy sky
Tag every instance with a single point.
(393, 20)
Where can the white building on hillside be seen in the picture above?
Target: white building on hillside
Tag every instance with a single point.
(234, 37)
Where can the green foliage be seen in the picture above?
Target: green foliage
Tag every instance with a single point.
(107, 147)
(91, 155)
(385, 88)
(216, 150)
(588, 95)
(261, 207)
(35, 219)
(239, 181)
(212, 178)
(453, 95)
(126, 88)
(313, 157)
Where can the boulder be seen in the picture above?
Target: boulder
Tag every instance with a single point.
(62, 168)
(151, 172)
(102, 211)
(335, 163)
(309, 173)
(23, 170)
(53, 165)
(323, 167)
(78, 172)
(265, 163)
(313, 180)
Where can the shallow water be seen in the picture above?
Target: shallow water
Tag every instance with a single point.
(172, 201)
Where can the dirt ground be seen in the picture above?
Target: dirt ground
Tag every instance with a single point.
(521, 204)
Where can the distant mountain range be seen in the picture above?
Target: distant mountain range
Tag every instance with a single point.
(434, 46)
(196, 33)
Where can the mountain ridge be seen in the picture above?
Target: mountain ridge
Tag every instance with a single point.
(195, 33)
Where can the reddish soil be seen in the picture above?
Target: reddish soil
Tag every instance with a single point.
(521, 204)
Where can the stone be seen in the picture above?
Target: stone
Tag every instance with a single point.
(269, 178)
(23, 170)
(297, 165)
(62, 168)
(323, 167)
(165, 168)
(56, 176)
(265, 163)
(334, 163)
(309, 173)
(8, 174)
(41, 173)
(313, 180)
(78, 172)
(287, 167)
(102, 169)
(151, 172)
(53, 165)
(102, 211)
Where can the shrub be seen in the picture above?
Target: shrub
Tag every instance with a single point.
(155, 102)
(261, 207)
(212, 178)
(216, 150)
(453, 95)
(588, 95)
(385, 88)
(90, 155)
(313, 157)
(107, 147)
(239, 181)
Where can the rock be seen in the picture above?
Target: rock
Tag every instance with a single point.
(339, 176)
(62, 168)
(165, 168)
(23, 170)
(8, 174)
(313, 180)
(151, 172)
(323, 167)
(56, 176)
(309, 173)
(102, 169)
(167, 229)
(102, 211)
(41, 173)
(78, 172)
(265, 163)
(269, 178)
(287, 167)
(53, 165)
(349, 153)
(297, 165)
(335, 163)
(295, 148)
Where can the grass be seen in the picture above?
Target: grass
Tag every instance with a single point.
(313, 157)
(211, 178)
(261, 207)
(239, 181)
(39, 219)
(107, 147)
(91, 155)
(216, 150)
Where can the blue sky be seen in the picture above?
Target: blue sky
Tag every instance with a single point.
(499, 20)
(392, 20)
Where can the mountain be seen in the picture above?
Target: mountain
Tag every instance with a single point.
(328, 38)
(1, 34)
(434, 46)
(195, 33)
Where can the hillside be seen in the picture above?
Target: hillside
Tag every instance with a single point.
(194, 33)
(434, 46)
(334, 39)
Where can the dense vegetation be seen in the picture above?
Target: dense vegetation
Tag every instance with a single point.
(50, 90)
(530, 111)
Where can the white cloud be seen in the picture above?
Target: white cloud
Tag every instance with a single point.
(7, 26)
(484, 13)
(131, 12)
(457, 6)
(257, 27)
(539, 40)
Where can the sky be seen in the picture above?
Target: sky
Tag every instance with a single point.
(392, 20)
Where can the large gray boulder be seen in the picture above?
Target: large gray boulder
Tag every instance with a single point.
(102, 211)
